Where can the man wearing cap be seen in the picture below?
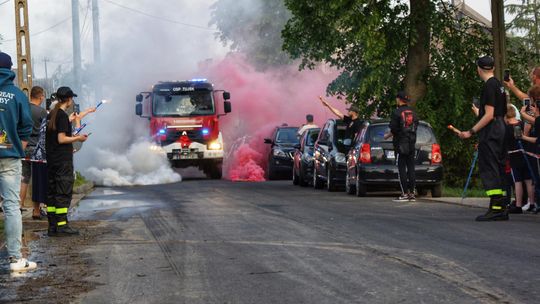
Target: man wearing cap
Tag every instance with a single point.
(352, 120)
(491, 130)
(403, 126)
(309, 125)
(15, 128)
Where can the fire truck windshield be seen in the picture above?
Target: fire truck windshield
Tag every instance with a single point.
(183, 104)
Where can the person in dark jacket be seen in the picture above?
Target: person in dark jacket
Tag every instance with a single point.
(403, 126)
(15, 129)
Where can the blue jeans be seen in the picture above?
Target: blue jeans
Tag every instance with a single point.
(10, 185)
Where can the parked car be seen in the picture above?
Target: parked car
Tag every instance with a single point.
(280, 156)
(303, 158)
(371, 163)
(330, 156)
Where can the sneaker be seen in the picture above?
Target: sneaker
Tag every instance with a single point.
(22, 264)
(526, 207)
(66, 230)
(412, 197)
(402, 198)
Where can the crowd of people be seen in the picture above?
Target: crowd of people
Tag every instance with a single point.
(35, 145)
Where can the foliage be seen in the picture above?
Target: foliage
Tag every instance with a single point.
(79, 179)
(253, 28)
(526, 24)
(367, 40)
(458, 192)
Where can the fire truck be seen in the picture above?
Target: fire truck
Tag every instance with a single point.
(184, 122)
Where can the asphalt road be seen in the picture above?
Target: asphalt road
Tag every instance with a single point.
(203, 241)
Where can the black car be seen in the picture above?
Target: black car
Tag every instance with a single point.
(280, 157)
(371, 163)
(303, 158)
(330, 155)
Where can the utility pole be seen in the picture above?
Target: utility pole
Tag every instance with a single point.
(97, 50)
(24, 63)
(499, 36)
(76, 46)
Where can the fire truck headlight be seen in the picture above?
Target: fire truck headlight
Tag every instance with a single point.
(214, 146)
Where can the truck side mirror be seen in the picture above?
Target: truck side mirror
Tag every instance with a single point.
(139, 98)
(138, 109)
(227, 107)
(226, 95)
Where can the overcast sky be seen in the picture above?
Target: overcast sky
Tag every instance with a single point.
(123, 28)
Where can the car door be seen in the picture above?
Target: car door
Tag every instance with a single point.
(354, 152)
(321, 150)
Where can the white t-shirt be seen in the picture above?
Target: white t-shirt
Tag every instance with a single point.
(306, 127)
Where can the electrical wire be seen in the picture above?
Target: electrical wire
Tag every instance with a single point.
(161, 18)
(42, 31)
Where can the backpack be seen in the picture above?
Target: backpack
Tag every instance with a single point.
(39, 152)
(409, 124)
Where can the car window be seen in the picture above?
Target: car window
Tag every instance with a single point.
(324, 134)
(424, 134)
(342, 142)
(311, 138)
(287, 136)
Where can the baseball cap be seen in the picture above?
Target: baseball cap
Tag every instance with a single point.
(485, 63)
(403, 96)
(353, 108)
(5, 61)
(65, 92)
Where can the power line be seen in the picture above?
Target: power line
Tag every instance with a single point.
(43, 31)
(161, 18)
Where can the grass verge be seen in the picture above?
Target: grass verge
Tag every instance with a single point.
(79, 179)
(457, 192)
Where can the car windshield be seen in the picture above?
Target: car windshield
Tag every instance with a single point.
(424, 135)
(183, 104)
(343, 142)
(312, 138)
(287, 136)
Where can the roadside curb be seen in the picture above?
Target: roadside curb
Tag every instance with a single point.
(474, 202)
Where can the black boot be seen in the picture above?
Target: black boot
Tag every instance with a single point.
(497, 211)
(66, 230)
(51, 230)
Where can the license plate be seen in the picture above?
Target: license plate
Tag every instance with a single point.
(390, 154)
(185, 156)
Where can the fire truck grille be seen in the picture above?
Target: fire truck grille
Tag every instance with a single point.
(174, 135)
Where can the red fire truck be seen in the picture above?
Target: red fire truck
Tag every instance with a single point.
(184, 122)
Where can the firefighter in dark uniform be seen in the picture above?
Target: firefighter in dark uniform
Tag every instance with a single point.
(491, 132)
(352, 119)
(403, 126)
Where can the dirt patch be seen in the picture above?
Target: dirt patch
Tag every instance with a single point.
(62, 267)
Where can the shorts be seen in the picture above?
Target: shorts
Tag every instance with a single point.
(520, 174)
(39, 182)
(26, 168)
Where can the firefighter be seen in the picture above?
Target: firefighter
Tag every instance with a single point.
(491, 132)
(403, 126)
(59, 147)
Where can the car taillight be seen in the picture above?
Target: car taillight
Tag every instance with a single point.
(365, 154)
(436, 156)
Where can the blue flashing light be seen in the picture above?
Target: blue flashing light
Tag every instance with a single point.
(199, 79)
(205, 131)
(162, 132)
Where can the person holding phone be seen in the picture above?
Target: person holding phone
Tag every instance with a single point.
(59, 147)
(491, 130)
(535, 80)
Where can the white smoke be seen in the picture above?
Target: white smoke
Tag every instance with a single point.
(140, 165)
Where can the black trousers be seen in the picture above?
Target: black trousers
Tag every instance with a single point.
(59, 191)
(407, 178)
(491, 155)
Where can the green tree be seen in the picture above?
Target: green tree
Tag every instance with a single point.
(526, 24)
(253, 28)
(384, 46)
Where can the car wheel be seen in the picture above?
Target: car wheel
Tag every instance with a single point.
(330, 183)
(361, 189)
(302, 177)
(317, 182)
(270, 171)
(436, 191)
(350, 189)
(294, 177)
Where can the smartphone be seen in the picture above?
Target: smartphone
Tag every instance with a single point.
(76, 108)
(527, 103)
(506, 75)
(476, 102)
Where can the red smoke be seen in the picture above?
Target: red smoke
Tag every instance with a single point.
(261, 101)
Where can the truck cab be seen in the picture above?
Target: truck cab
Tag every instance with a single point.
(184, 122)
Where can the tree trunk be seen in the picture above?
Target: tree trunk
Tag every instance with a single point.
(418, 51)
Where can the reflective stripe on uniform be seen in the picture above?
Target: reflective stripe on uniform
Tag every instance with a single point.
(61, 210)
(62, 223)
(496, 207)
(494, 192)
(51, 209)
